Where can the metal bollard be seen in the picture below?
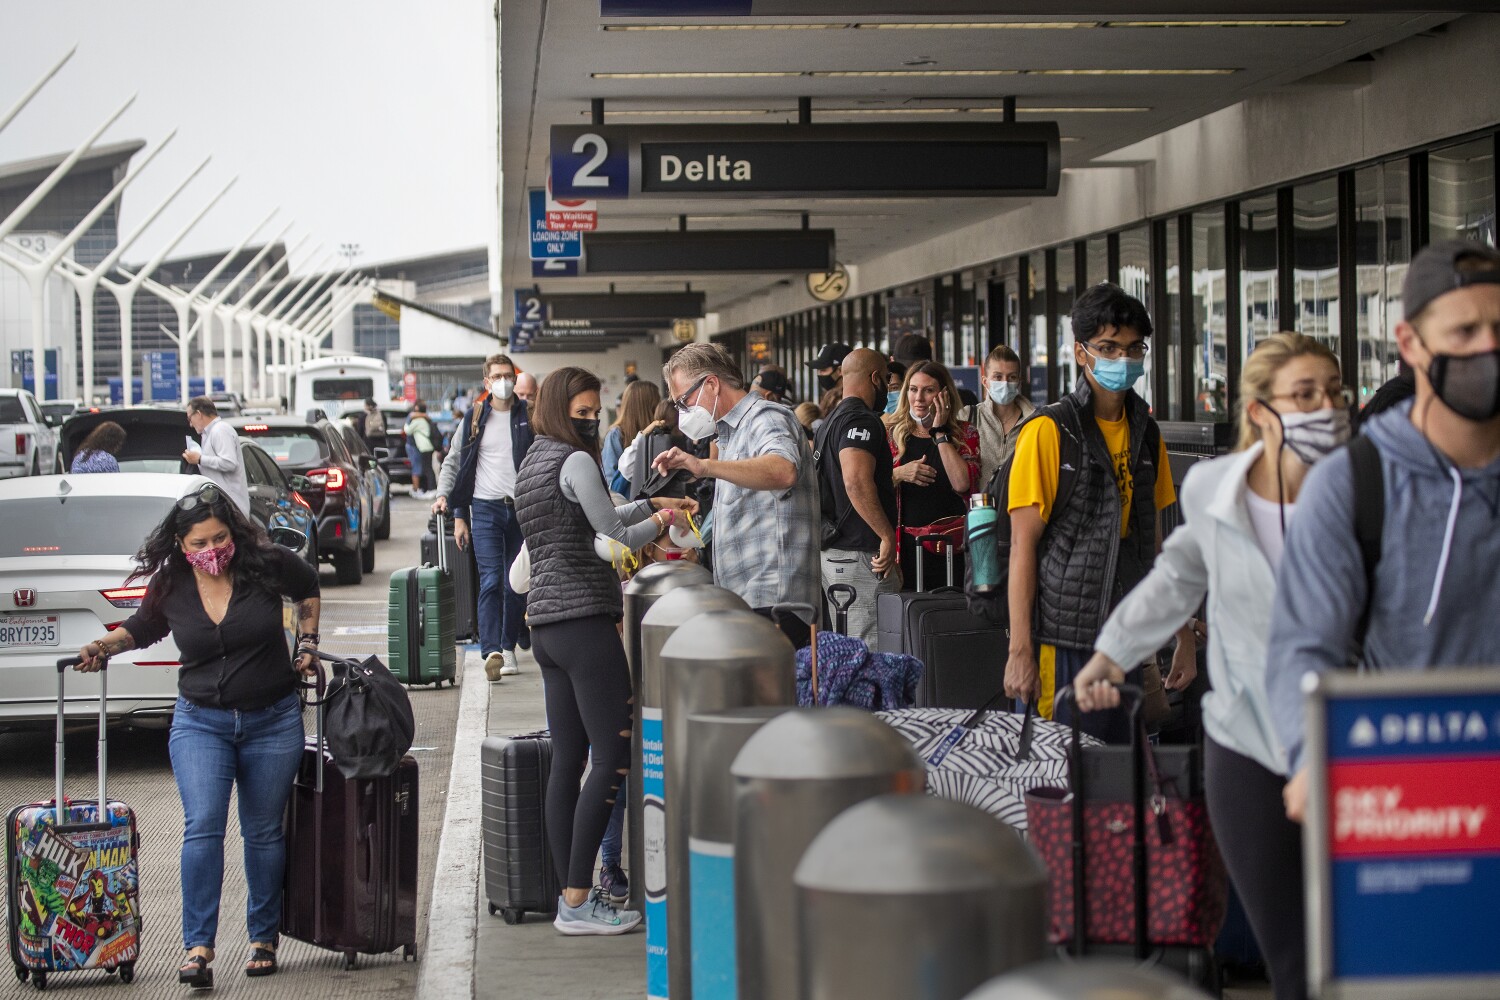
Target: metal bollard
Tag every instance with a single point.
(666, 615)
(1091, 977)
(793, 777)
(714, 739)
(643, 591)
(716, 660)
(914, 896)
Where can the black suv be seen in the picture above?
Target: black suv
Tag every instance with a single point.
(332, 481)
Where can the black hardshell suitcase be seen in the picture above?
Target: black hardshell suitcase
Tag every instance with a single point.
(464, 569)
(963, 655)
(73, 878)
(519, 876)
(351, 859)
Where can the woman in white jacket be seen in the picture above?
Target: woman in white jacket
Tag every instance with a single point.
(1293, 411)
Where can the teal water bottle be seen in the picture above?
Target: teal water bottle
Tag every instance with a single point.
(984, 553)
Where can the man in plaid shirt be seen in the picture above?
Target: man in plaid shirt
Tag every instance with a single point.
(766, 520)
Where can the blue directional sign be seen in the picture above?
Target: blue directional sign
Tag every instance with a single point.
(530, 311)
(161, 367)
(554, 269)
(592, 163)
(546, 244)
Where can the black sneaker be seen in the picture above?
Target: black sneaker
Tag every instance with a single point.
(614, 883)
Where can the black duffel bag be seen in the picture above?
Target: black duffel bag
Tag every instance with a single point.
(367, 721)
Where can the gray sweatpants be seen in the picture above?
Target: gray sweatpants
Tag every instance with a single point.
(853, 568)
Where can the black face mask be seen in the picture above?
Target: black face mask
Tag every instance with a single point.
(588, 430)
(826, 382)
(1468, 384)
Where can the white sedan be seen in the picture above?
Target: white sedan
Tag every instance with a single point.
(67, 548)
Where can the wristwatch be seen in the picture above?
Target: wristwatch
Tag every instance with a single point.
(940, 438)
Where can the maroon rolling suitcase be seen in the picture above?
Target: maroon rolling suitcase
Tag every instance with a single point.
(351, 865)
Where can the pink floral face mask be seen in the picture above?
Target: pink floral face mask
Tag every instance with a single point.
(212, 561)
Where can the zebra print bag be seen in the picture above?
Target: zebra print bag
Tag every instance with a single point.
(989, 760)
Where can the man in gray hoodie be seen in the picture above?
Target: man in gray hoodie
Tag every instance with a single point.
(1436, 586)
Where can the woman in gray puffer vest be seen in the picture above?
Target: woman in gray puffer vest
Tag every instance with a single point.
(573, 608)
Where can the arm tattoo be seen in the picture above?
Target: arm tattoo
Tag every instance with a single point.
(116, 645)
(307, 614)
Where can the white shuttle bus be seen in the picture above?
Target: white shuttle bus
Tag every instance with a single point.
(330, 384)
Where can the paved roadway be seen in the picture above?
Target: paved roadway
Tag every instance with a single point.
(354, 622)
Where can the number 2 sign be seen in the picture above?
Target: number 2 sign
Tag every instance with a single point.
(590, 161)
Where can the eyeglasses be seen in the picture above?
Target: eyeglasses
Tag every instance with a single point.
(1111, 351)
(681, 401)
(1311, 397)
(205, 495)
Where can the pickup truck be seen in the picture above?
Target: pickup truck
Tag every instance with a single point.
(28, 446)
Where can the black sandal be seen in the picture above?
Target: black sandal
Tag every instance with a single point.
(262, 962)
(196, 973)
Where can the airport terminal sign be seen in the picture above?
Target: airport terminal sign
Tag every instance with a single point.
(923, 160)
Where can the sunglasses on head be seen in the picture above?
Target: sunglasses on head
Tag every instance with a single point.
(205, 496)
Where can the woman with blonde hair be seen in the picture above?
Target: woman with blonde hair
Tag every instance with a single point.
(1293, 410)
(936, 464)
(637, 411)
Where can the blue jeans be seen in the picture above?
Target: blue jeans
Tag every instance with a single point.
(609, 847)
(213, 751)
(497, 541)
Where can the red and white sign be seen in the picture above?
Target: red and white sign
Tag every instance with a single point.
(1423, 807)
(409, 386)
(570, 215)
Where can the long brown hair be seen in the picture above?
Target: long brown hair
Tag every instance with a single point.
(899, 424)
(107, 437)
(637, 409)
(553, 414)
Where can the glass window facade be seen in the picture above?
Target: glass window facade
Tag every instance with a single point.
(1067, 294)
(1382, 251)
(1315, 260)
(1259, 253)
(1461, 191)
(1210, 312)
(1135, 279)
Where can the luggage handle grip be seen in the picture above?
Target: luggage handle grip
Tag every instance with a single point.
(63, 664)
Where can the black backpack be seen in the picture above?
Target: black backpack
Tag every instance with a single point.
(367, 718)
(1369, 521)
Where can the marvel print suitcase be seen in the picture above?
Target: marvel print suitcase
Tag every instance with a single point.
(465, 572)
(519, 876)
(423, 624)
(351, 857)
(73, 875)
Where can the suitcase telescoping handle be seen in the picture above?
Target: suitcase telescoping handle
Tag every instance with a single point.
(63, 666)
(442, 544)
(319, 687)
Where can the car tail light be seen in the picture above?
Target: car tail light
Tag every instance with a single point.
(338, 529)
(298, 499)
(111, 626)
(331, 479)
(125, 597)
(253, 428)
(21, 443)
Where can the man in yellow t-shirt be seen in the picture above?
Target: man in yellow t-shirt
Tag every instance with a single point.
(1059, 596)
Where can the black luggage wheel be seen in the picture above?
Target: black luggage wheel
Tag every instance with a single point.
(23, 974)
(351, 958)
(39, 980)
(512, 916)
(409, 953)
(127, 974)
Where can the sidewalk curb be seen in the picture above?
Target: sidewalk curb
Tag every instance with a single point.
(453, 914)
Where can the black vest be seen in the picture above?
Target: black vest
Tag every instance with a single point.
(1084, 567)
(568, 579)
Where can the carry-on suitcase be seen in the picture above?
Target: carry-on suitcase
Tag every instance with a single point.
(465, 571)
(73, 875)
(1133, 871)
(351, 856)
(422, 640)
(963, 654)
(519, 876)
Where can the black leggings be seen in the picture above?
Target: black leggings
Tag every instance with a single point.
(1263, 852)
(587, 691)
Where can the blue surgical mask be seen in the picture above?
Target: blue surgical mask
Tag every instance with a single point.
(892, 398)
(1117, 374)
(1004, 393)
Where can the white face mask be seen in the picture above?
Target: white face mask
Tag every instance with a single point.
(503, 388)
(1310, 436)
(698, 422)
(1004, 393)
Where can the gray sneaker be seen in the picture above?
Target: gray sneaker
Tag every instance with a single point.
(494, 666)
(595, 915)
(510, 667)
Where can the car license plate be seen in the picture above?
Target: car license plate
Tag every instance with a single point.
(17, 631)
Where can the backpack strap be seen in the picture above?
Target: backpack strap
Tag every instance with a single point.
(1369, 518)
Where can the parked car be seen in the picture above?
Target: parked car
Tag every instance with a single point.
(331, 480)
(396, 414)
(55, 411)
(155, 439)
(28, 445)
(377, 479)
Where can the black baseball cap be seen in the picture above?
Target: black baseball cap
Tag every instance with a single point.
(775, 383)
(830, 356)
(1435, 271)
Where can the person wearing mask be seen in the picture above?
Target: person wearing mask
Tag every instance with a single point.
(829, 366)
(765, 490)
(215, 583)
(1059, 595)
(637, 410)
(420, 444)
(1294, 410)
(772, 384)
(895, 377)
(525, 386)
(999, 414)
(575, 604)
(936, 458)
(100, 451)
(1428, 600)
(374, 426)
(860, 547)
(492, 444)
(218, 456)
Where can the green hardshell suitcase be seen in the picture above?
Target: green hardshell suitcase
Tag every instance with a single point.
(424, 624)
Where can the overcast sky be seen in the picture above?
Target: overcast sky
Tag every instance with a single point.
(365, 120)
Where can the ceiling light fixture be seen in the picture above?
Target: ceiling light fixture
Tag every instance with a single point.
(690, 112)
(727, 27)
(696, 75)
(1128, 72)
(1223, 24)
(884, 73)
(974, 25)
